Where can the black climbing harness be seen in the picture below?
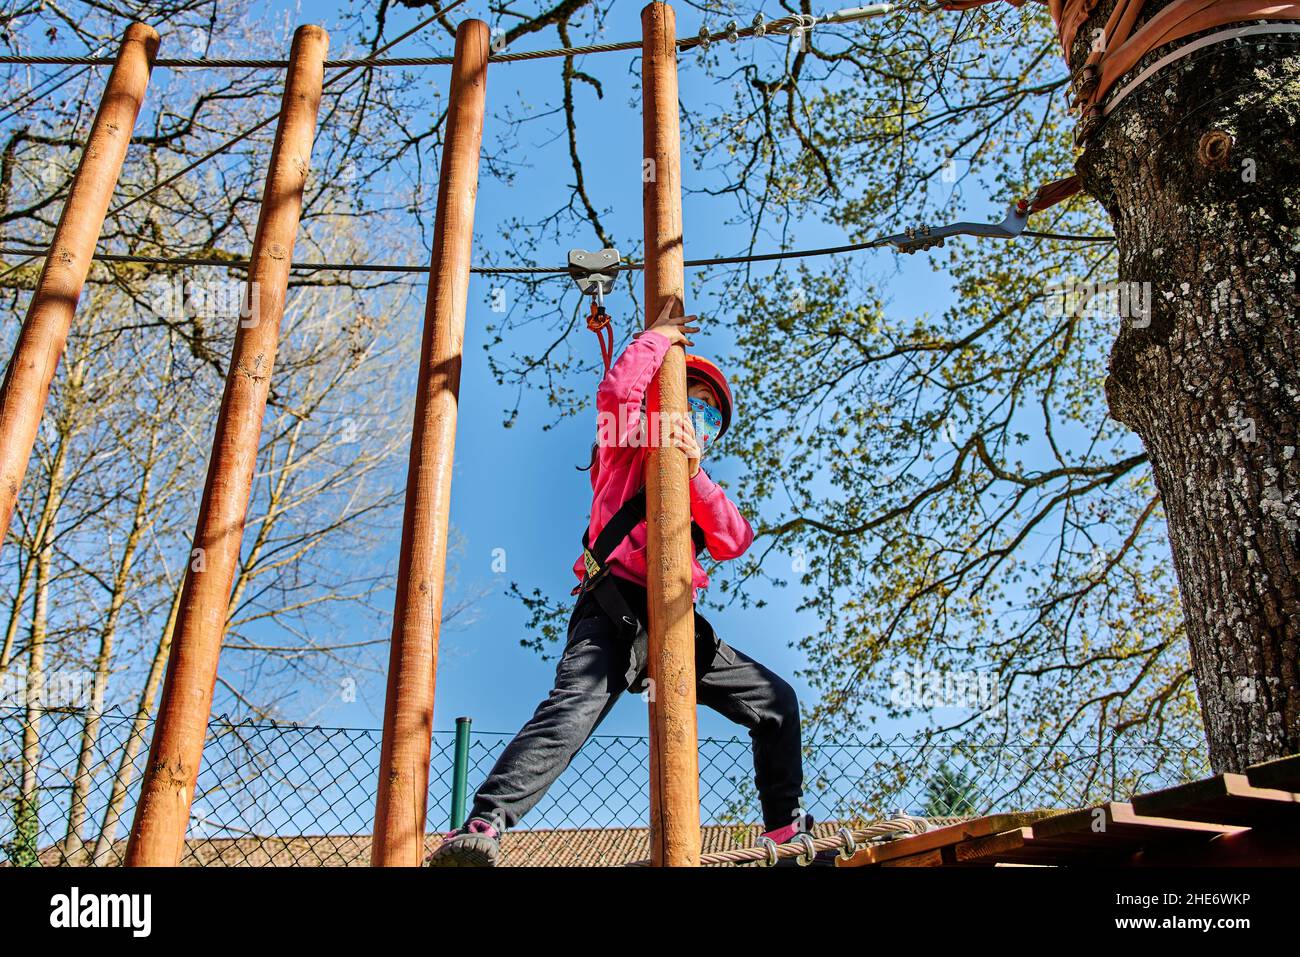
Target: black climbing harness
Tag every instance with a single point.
(598, 582)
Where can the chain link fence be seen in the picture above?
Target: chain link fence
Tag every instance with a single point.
(284, 794)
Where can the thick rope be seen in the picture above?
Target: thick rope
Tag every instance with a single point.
(753, 855)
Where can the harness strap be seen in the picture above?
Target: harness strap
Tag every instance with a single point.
(1121, 44)
(601, 587)
(629, 515)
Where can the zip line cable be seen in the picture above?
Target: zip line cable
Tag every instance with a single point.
(270, 119)
(241, 136)
(792, 25)
(914, 236)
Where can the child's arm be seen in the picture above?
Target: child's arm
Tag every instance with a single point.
(618, 398)
(726, 533)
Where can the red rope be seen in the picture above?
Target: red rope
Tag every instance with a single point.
(598, 322)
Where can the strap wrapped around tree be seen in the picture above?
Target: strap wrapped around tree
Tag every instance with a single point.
(1120, 46)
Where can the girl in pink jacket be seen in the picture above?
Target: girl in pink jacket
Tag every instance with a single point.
(606, 650)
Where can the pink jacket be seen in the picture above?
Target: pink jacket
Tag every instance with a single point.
(620, 470)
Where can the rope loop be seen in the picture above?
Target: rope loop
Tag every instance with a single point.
(598, 321)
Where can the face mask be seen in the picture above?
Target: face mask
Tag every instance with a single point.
(707, 421)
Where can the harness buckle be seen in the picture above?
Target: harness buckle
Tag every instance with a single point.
(593, 566)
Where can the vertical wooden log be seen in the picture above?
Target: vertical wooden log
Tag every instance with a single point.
(674, 745)
(44, 334)
(402, 798)
(167, 789)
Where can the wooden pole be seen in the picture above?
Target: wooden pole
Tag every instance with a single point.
(674, 744)
(167, 789)
(44, 333)
(402, 798)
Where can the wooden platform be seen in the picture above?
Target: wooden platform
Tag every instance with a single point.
(1250, 819)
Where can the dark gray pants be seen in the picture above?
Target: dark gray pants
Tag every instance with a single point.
(593, 672)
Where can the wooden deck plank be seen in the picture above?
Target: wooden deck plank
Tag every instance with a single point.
(1282, 774)
(1223, 799)
(940, 837)
(1110, 833)
(1118, 823)
(931, 858)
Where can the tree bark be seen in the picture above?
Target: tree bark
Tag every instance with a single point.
(25, 850)
(83, 778)
(1200, 172)
(103, 852)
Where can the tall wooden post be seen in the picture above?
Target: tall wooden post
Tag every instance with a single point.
(674, 745)
(45, 330)
(167, 789)
(402, 798)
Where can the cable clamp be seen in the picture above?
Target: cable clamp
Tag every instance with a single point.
(760, 25)
(705, 37)
(733, 31)
(809, 855)
(805, 25)
(850, 846)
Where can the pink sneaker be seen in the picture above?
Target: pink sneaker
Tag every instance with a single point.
(787, 834)
(477, 844)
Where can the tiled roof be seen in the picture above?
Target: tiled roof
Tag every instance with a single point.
(565, 847)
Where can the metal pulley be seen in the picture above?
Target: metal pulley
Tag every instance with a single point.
(594, 273)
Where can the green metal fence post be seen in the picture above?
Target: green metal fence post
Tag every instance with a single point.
(460, 773)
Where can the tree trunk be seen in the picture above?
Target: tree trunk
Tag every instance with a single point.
(1200, 172)
(103, 852)
(83, 779)
(25, 850)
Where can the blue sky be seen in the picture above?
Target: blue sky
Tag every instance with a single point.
(516, 489)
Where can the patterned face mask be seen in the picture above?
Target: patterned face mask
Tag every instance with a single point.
(707, 421)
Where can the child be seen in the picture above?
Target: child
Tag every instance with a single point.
(606, 649)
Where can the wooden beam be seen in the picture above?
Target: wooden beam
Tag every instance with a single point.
(1283, 774)
(1253, 847)
(931, 858)
(167, 789)
(674, 737)
(1223, 799)
(44, 333)
(1110, 834)
(940, 838)
(401, 803)
(997, 848)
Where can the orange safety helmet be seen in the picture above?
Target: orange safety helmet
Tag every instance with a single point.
(702, 370)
